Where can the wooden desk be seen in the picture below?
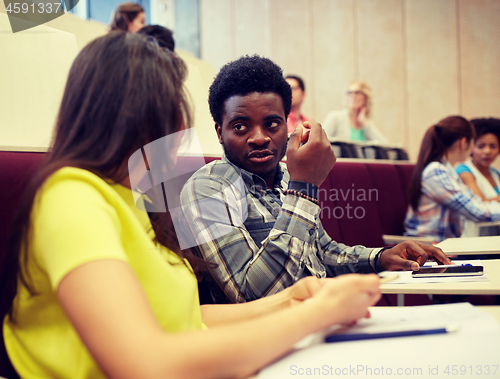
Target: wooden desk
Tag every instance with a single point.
(493, 310)
(491, 287)
(473, 349)
(471, 245)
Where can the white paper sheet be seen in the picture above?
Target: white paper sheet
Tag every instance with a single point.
(469, 353)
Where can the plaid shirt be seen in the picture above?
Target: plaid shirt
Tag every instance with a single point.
(444, 203)
(260, 240)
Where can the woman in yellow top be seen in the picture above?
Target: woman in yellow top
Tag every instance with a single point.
(91, 289)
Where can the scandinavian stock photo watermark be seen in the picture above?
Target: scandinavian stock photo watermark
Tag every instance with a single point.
(352, 200)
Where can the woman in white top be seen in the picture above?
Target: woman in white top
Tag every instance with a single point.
(478, 174)
(354, 123)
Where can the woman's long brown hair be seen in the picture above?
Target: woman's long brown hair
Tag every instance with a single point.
(437, 140)
(123, 91)
(124, 14)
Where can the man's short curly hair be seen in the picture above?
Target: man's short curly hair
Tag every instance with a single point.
(246, 75)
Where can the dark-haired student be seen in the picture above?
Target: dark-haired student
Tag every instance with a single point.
(295, 117)
(256, 221)
(164, 36)
(92, 289)
(439, 200)
(128, 17)
(478, 173)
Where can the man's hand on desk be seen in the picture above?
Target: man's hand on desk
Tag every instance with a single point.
(410, 255)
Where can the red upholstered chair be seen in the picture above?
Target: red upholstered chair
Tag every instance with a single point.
(16, 169)
(391, 201)
(405, 173)
(355, 204)
(330, 223)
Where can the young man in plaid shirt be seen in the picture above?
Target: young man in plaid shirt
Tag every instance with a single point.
(256, 220)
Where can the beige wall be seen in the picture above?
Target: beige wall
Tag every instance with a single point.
(424, 59)
(34, 65)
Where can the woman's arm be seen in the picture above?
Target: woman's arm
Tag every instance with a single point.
(439, 184)
(330, 125)
(222, 314)
(371, 131)
(110, 311)
(470, 181)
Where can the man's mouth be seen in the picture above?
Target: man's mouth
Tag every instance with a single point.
(259, 156)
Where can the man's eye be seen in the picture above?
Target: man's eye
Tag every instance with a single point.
(273, 124)
(239, 127)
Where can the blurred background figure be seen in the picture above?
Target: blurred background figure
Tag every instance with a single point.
(439, 200)
(298, 95)
(478, 174)
(129, 17)
(354, 122)
(164, 36)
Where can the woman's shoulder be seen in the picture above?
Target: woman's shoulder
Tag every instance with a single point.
(494, 171)
(69, 173)
(338, 113)
(76, 184)
(463, 167)
(435, 168)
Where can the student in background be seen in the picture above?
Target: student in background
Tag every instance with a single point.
(129, 17)
(478, 174)
(439, 201)
(354, 123)
(298, 95)
(92, 289)
(164, 36)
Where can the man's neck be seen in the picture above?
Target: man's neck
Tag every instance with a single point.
(270, 178)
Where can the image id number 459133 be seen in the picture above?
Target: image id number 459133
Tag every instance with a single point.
(29, 7)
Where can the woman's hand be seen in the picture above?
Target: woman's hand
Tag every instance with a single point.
(363, 119)
(304, 289)
(341, 300)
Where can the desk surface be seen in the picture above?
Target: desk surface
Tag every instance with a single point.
(492, 310)
(491, 287)
(471, 245)
(468, 353)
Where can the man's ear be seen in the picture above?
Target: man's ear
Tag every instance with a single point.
(218, 130)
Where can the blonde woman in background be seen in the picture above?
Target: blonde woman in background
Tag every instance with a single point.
(354, 122)
(129, 17)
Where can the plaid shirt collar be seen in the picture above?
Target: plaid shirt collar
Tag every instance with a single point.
(255, 183)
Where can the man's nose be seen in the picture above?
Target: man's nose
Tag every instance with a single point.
(259, 136)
